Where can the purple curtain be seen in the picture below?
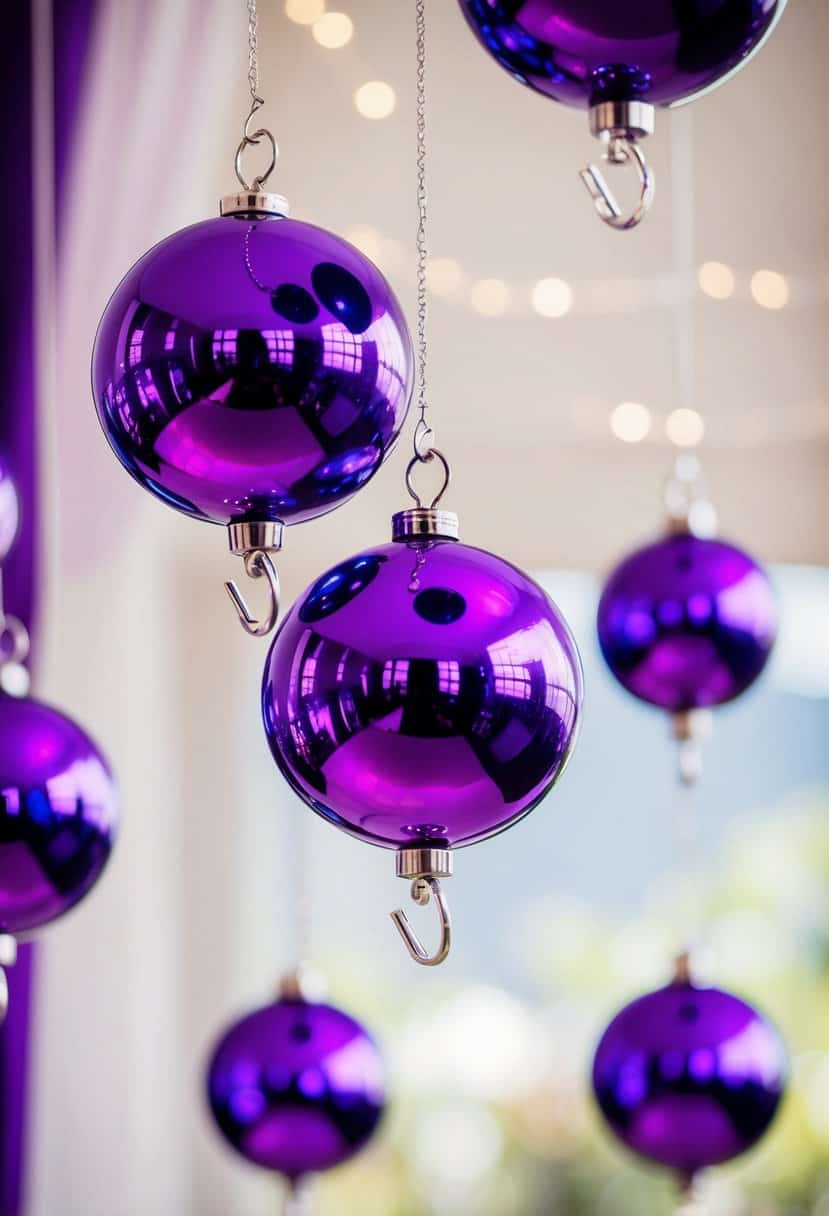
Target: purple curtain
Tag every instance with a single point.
(73, 26)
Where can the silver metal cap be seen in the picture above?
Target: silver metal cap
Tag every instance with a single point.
(622, 119)
(424, 863)
(255, 536)
(254, 202)
(424, 523)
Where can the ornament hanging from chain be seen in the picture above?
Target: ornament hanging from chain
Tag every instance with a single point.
(689, 1077)
(253, 371)
(58, 804)
(423, 695)
(688, 622)
(296, 1087)
(620, 61)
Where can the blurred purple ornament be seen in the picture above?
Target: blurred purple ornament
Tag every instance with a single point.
(296, 1087)
(253, 371)
(689, 1077)
(423, 696)
(58, 814)
(687, 623)
(620, 60)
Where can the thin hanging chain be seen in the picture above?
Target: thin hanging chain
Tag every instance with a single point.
(253, 56)
(424, 435)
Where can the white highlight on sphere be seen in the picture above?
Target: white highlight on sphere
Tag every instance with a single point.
(685, 428)
(333, 30)
(375, 99)
(552, 297)
(490, 297)
(304, 12)
(444, 276)
(630, 422)
(770, 289)
(717, 280)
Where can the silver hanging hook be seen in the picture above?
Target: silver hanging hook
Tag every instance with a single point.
(620, 151)
(425, 867)
(620, 125)
(257, 563)
(422, 891)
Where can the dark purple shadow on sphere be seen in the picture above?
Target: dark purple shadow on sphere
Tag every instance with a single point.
(423, 695)
(687, 623)
(58, 814)
(296, 1087)
(583, 52)
(689, 1077)
(253, 370)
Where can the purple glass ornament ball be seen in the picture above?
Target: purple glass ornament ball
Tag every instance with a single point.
(58, 814)
(296, 1087)
(253, 369)
(423, 695)
(687, 622)
(689, 1077)
(584, 52)
(9, 511)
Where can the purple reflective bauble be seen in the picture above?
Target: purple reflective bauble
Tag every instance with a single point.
(253, 370)
(687, 622)
(9, 511)
(423, 695)
(58, 814)
(689, 1077)
(584, 52)
(296, 1087)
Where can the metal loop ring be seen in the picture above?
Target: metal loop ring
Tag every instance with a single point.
(432, 454)
(620, 151)
(15, 633)
(258, 182)
(423, 437)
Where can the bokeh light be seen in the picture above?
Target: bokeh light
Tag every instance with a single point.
(717, 280)
(631, 422)
(770, 289)
(552, 297)
(375, 99)
(684, 427)
(490, 297)
(304, 12)
(333, 30)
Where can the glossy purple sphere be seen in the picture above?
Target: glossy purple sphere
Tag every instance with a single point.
(296, 1087)
(58, 814)
(9, 511)
(689, 1077)
(253, 370)
(584, 52)
(687, 623)
(423, 695)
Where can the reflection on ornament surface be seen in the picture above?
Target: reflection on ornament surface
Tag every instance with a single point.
(253, 369)
(296, 1087)
(58, 814)
(585, 52)
(689, 1077)
(687, 623)
(423, 695)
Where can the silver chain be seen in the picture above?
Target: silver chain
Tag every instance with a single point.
(253, 53)
(424, 435)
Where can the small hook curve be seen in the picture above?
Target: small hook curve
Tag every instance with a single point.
(422, 891)
(620, 152)
(257, 564)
